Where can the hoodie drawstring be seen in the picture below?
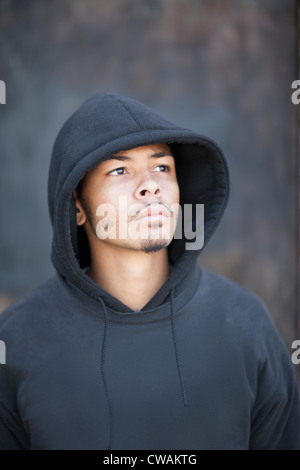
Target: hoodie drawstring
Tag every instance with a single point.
(103, 354)
(178, 360)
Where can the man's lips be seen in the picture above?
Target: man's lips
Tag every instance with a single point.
(153, 212)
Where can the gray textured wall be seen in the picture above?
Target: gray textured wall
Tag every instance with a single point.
(221, 67)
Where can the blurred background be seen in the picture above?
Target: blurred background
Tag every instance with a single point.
(223, 68)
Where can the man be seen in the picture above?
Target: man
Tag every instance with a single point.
(132, 345)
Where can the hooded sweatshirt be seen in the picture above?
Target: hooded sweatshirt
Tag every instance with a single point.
(200, 366)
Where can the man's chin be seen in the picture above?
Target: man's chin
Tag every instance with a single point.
(152, 246)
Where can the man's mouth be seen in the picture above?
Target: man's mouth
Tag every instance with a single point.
(153, 213)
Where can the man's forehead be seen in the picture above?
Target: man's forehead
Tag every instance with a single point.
(149, 150)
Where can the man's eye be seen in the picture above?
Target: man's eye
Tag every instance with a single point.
(163, 168)
(117, 171)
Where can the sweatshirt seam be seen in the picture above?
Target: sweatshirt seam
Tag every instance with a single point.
(131, 113)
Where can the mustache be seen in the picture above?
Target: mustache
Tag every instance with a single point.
(139, 208)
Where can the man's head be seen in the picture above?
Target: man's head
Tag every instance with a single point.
(104, 125)
(131, 199)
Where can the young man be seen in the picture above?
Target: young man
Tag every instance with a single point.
(132, 345)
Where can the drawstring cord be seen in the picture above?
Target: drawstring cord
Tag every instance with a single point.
(104, 346)
(178, 360)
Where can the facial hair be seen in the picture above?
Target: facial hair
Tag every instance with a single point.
(152, 246)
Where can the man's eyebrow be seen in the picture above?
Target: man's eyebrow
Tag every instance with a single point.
(161, 154)
(123, 158)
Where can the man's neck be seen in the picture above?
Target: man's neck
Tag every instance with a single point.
(133, 277)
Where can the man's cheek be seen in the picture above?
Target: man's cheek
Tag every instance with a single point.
(106, 226)
(175, 192)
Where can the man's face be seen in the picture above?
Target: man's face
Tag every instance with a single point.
(131, 199)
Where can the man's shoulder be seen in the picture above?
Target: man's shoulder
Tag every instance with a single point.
(233, 301)
(241, 315)
(227, 288)
(37, 301)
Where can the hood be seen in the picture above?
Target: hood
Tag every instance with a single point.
(110, 123)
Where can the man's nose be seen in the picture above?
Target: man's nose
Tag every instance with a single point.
(148, 188)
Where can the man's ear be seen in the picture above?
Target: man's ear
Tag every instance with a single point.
(80, 213)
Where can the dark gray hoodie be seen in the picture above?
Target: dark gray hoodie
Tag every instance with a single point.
(201, 366)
